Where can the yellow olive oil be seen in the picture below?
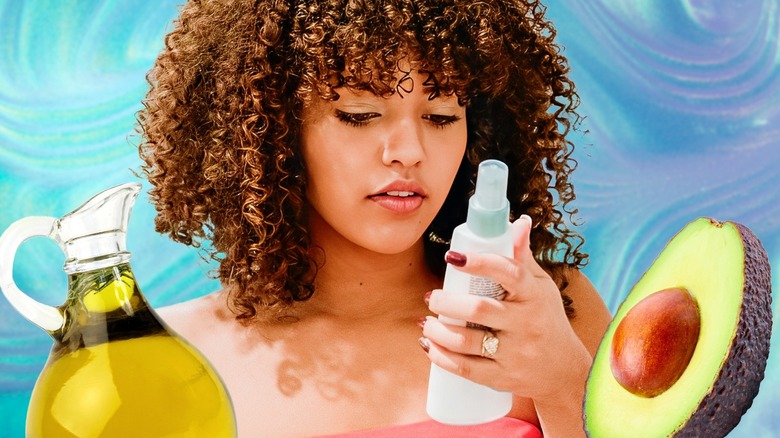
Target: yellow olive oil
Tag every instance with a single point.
(116, 371)
(144, 387)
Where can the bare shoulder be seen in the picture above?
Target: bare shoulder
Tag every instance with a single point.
(199, 317)
(592, 316)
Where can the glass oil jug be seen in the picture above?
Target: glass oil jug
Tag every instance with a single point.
(115, 369)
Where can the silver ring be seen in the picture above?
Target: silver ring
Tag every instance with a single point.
(489, 344)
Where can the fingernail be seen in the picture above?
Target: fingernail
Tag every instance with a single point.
(421, 321)
(427, 297)
(527, 218)
(424, 343)
(455, 259)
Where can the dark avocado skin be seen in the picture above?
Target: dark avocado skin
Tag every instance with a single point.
(739, 379)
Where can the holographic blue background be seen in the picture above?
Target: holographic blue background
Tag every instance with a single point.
(682, 102)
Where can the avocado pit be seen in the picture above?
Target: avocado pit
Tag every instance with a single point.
(655, 341)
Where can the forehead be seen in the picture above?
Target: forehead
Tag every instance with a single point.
(406, 77)
(411, 87)
(367, 44)
(383, 71)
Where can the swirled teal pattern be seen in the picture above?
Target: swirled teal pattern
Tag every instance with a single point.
(682, 101)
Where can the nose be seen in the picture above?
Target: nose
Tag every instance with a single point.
(404, 145)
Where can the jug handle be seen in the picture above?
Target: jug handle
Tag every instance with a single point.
(44, 316)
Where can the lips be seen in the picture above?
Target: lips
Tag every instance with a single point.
(399, 197)
(401, 194)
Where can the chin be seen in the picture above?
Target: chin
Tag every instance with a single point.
(392, 245)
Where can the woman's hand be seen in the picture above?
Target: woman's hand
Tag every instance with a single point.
(539, 355)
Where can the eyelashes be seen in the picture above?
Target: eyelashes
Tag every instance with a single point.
(355, 119)
(441, 120)
(362, 119)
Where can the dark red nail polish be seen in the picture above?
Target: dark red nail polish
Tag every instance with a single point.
(424, 343)
(421, 321)
(455, 259)
(427, 297)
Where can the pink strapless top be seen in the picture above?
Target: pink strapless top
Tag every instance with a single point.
(505, 427)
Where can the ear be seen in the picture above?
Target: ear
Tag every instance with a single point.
(521, 233)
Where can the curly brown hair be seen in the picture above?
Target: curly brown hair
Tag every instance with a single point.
(220, 125)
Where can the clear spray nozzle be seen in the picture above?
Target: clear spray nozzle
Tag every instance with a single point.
(488, 214)
(490, 193)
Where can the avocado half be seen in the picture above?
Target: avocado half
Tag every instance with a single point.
(713, 277)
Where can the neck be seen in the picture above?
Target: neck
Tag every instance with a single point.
(354, 283)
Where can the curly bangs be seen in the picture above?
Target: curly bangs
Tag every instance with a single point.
(221, 122)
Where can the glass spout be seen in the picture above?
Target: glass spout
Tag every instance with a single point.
(94, 235)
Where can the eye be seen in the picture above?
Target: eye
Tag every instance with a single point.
(355, 119)
(440, 120)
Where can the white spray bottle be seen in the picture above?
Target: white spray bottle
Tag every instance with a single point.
(453, 399)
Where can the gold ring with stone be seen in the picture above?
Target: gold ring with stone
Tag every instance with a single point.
(489, 344)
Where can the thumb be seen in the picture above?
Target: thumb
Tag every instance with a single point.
(521, 233)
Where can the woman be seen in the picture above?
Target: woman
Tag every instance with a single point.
(326, 150)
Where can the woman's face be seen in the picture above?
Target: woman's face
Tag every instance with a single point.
(378, 168)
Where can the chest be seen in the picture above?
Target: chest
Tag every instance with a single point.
(323, 381)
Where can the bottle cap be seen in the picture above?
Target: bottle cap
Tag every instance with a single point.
(488, 214)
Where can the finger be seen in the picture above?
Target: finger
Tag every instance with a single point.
(454, 338)
(521, 233)
(466, 307)
(507, 272)
(475, 368)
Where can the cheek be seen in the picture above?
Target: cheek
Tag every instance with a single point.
(444, 164)
(329, 147)
(334, 173)
(319, 155)
(448, 154)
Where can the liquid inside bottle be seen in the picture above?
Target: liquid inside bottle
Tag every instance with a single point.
(116, 371)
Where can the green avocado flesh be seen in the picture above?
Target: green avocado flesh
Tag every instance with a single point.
(725, 269)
